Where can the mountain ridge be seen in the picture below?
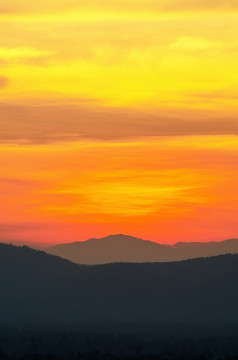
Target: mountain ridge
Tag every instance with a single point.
(126, 248)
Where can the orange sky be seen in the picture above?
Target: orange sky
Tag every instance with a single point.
(118, 118)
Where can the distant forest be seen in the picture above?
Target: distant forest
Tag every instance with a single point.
(124, 342)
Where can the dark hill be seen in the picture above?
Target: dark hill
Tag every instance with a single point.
(123, 248)
(39, 288)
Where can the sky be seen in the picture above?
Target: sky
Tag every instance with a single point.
(118, 117)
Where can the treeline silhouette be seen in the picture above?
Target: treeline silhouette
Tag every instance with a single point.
(98, 356)
(124, 342)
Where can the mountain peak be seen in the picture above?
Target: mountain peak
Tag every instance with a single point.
(118, 237)
(127, 248)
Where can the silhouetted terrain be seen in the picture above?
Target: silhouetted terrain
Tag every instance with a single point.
(36, 287)
(116, 311)
(180, 343)
(122, 248)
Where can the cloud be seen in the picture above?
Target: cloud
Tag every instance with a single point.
(53, 123)
(17, 182)
(3, 81)
(53, 6)
(180, 5)
(187, 43)
(22, 54)
(16, 227)
(228, 94)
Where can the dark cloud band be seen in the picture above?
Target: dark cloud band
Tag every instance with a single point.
(48, 124)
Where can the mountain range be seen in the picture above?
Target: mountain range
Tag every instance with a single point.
(124, 248)
(40, 288)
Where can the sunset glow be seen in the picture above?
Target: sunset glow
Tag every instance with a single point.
(118, 117)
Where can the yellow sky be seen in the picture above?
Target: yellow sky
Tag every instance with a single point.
(136, 53)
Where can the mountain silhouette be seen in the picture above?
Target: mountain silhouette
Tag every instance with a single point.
(123, 248)
(39, 288)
